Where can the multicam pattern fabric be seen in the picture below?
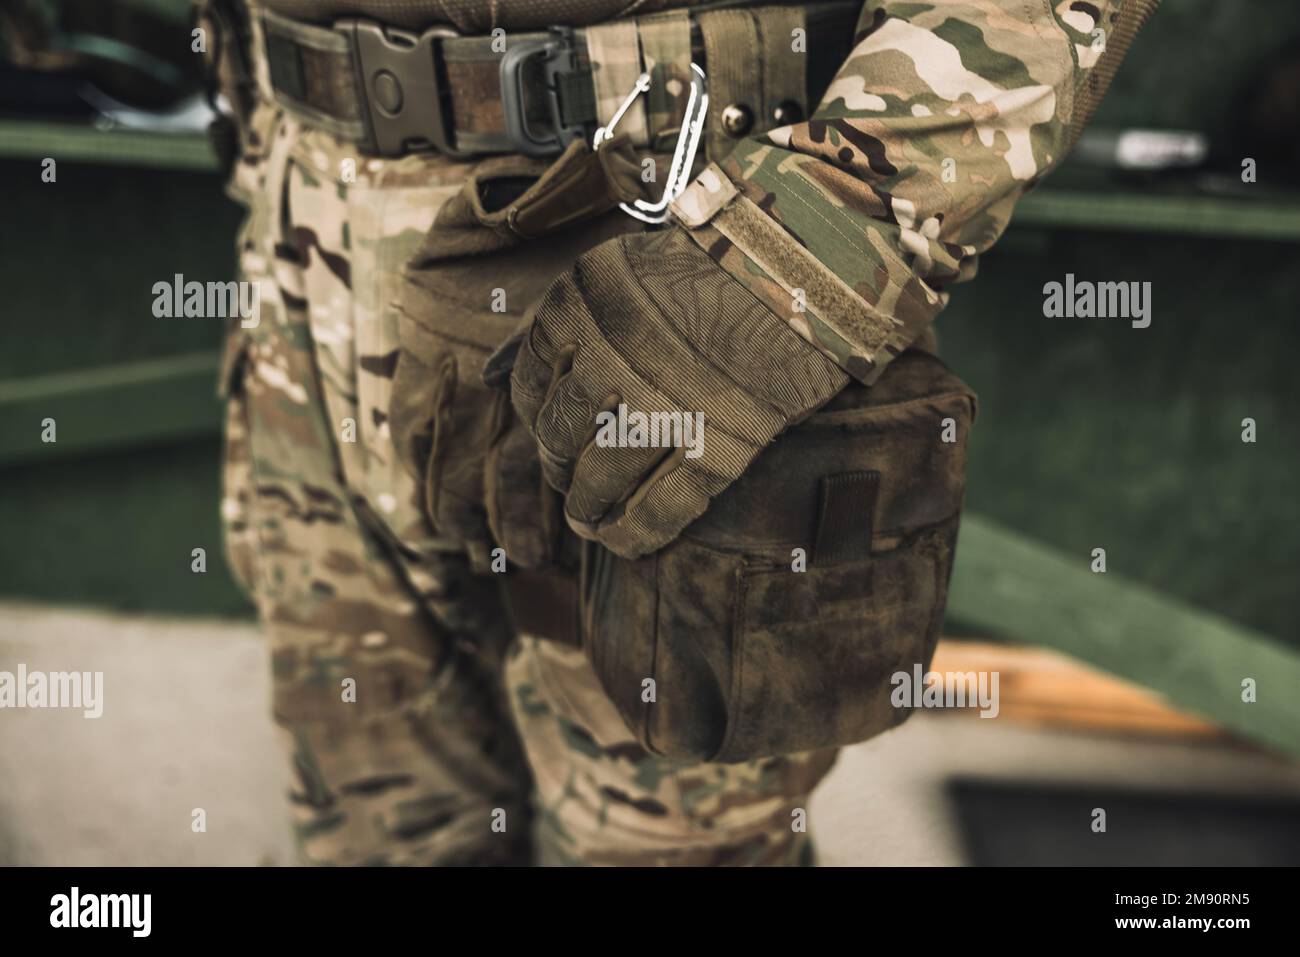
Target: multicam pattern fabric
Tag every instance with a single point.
(385, 651)
(615, 57)
(942, 117)
(602, 799)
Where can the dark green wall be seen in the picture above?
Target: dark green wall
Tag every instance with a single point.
(80, 258)
(1094, 434)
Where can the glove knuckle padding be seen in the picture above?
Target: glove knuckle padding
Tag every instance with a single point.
(726, 326)
(655, 321)
(672, 357)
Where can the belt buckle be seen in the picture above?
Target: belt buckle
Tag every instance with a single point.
(400, 79)
(559, 55)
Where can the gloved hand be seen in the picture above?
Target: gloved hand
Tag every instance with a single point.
(649, 321)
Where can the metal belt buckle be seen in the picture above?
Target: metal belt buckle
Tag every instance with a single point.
(559, 56)
(688, 144)
(401, 81)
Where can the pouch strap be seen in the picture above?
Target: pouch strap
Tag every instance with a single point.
(581, 185)
(845, 517)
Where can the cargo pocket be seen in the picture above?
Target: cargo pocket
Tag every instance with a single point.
(775, 622)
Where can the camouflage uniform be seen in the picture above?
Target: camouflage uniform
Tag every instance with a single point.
(423, 729)
(327, 533)
(944, 115)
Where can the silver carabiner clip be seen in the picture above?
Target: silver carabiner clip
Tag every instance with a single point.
(688, 144)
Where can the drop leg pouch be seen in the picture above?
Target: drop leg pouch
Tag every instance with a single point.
(719, 648)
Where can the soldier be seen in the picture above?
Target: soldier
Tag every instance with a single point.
(493, 637)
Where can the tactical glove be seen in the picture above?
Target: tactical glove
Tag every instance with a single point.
(463, 293)
(651, 323)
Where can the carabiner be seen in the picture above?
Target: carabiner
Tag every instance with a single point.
(688, 143)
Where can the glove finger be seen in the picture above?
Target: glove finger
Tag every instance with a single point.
(606, 476)
(530, 381)
(518, 501)
(668, 499)
(675, 494)
(555, 317)
(564, 425)
(499, 367)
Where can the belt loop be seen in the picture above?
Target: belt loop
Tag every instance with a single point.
(666, 51)
(785, 71)
(615, 57)
(731, 49)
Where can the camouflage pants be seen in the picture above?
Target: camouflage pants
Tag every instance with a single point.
(421, 729)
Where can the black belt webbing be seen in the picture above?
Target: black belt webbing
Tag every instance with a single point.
(359, 81)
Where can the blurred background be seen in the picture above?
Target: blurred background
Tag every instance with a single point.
(1120, 690)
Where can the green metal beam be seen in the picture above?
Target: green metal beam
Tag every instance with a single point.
(1013, 586)
(25, 139)
(1212, 217)
(140, 403)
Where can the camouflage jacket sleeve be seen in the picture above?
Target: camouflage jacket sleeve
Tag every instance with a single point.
(852, 224)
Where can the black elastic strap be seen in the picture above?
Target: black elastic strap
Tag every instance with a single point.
(844, 520)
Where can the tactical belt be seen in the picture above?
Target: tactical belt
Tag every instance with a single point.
(393, 91)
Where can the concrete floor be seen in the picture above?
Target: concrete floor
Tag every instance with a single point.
(186, 726)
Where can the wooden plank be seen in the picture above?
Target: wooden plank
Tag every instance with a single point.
(1007, 584)
(1043, 687)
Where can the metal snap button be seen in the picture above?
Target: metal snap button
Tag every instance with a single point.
(737, 119)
